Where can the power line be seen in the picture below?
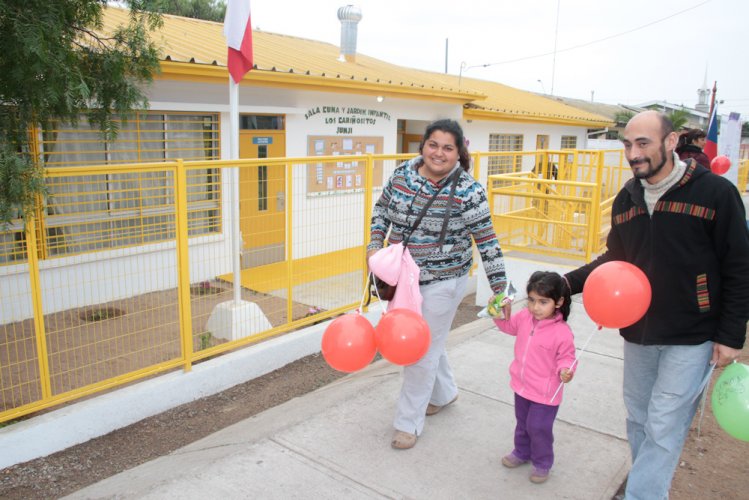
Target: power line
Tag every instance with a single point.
(575, 47)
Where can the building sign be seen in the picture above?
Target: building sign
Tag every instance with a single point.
(346, 119)
(262, 140)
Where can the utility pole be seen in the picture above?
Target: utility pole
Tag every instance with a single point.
(446, 45)
(554, 58)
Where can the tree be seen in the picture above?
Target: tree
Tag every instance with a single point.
(622, 118)
(210, 10)
(55, 63)
(679, 118)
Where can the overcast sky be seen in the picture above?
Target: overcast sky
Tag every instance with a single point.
(621, 51)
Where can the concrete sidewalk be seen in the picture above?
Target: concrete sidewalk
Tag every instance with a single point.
(334, 443)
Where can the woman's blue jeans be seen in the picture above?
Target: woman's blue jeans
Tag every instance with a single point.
(661, 393)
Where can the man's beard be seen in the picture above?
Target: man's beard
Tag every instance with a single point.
(652, 171)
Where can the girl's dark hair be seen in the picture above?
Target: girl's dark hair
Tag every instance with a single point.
(552, 286)
(690, 136)
(449, 127)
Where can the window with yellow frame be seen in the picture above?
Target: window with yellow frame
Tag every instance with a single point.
(505, 164)
(88, 213)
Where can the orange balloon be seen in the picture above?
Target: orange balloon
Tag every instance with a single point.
(348, 343)
(402, 336)
(720, 164)
(616, 294)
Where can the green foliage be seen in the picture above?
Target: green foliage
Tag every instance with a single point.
(210, 10)
(623, 117)
(55, 63)
(20, 181)
(679, 117)
(205, 340)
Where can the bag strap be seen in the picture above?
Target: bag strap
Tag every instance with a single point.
(454, 179)
(449, 208)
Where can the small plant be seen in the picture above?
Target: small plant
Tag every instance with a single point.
(101, 313)
(205, 288)
(8, 422)
(205, 340)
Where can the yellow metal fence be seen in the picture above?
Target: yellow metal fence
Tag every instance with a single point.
(561, 209)
(124, 275)
(743, 175)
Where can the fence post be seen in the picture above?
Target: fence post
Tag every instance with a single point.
(366, 220)
(289, 167)
(183, 263)
(595, 209)
(36, 301)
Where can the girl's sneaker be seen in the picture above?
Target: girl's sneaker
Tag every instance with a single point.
(539, 476)
(511, 461)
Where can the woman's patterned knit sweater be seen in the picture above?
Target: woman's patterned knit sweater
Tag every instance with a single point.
(402, 200)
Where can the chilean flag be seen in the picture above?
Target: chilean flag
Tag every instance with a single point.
(711, 142)
(238, 33)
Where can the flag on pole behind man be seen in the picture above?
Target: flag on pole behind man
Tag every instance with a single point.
(238, 33)
(711, 141)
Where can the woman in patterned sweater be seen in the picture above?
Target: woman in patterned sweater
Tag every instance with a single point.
(444, 258)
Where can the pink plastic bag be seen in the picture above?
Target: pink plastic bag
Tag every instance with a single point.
(394, 265)
(386, 263)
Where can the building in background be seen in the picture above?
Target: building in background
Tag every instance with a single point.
(302, 98)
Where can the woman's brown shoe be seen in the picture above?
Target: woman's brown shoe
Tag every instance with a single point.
(434, 409)
(403, 440)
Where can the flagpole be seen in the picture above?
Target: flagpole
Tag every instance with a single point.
(712, 101)
(236, 240)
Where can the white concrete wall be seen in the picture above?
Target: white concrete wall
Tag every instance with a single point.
(604, 144)
(478, 131)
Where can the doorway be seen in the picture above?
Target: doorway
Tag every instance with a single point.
(542, 142)
(262, 198)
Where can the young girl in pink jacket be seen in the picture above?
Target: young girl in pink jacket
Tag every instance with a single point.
(544, 356)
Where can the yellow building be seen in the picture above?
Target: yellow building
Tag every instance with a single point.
(302, 98)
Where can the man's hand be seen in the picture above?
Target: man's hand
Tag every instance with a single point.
(724, 355)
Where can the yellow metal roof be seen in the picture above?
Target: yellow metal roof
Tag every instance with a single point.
(194, 49)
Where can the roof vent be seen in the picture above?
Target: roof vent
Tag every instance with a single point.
(349, 16)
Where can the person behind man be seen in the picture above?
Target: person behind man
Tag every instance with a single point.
(441, 246)
(686, 229)
(691, 143)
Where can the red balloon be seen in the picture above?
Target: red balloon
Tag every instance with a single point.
(348, 343)
(402, 336)
(720, 165)
(616, 294)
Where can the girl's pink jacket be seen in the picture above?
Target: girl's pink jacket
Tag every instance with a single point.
(542, 349)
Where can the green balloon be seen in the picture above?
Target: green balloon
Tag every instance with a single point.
(731, 400)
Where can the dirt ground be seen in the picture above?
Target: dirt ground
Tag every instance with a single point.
(90, 344)
(712, 466)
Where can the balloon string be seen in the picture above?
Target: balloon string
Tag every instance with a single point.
(371, 282)
(367, 288)
(703, 392)
(377, 292)
(572, 367)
